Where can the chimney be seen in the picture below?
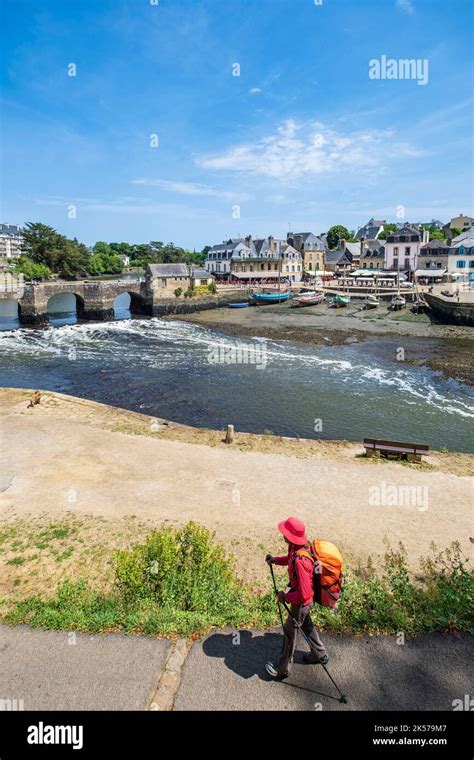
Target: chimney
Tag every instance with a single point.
(426, 236)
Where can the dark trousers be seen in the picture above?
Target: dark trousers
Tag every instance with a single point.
(302, 615)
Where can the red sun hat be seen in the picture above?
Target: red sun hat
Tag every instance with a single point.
(294, 530)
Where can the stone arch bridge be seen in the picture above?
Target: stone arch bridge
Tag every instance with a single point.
(94, 300)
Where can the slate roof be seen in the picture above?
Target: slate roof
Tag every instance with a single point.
(168, 270)
(466, 234)
(200, 273)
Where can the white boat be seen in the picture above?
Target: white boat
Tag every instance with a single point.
(398, 302)
(310, 298)
(371, 302)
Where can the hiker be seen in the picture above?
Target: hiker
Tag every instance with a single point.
(299, 597)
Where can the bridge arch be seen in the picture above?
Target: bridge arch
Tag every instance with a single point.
(128, 304)
(63, 305)
(10, 313)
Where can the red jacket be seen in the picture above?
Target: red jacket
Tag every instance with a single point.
(300, 573)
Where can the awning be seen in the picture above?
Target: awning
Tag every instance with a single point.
(257, 275)
(430, 272)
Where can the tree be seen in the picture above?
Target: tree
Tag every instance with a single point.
(387, 229)
(337, 233)
(44, 245)
(30, 270)
(455, 231)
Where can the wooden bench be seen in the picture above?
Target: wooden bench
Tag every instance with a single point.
(410, 452)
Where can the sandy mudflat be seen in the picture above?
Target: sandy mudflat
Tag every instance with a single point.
(118, 464)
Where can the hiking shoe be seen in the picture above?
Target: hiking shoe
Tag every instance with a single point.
(273, 671)
(312, 659)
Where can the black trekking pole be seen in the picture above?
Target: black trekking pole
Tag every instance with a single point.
(342, 698)
(276, 592)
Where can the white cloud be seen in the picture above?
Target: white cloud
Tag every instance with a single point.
(255, 90)
(405, 6)
(295, 150)
(187, 188)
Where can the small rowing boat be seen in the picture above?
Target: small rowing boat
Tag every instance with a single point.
(240, 305)
(276, 297)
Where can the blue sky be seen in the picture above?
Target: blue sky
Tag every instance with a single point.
(302, 139)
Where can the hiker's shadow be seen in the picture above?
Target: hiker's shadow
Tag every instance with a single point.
(245, 653)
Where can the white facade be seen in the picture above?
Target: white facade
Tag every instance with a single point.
(10, 241)
(402, 249)
(291, 262)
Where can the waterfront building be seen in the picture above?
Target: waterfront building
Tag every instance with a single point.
(262, 260)
(373, 255)
(312, 250)
(339, 261)
(402, 248)
(219, 257)
(10, 243)
(291, 262)
(164, 279)
(439, 261)
(200, 277)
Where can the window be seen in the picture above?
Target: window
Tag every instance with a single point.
(461, 264)
(471, 265)
(407, 250)
(163, 282)
(407, 263)
(395, 251)
(395, 263)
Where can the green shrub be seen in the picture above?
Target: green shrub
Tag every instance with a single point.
(182, 582)
(182, 569)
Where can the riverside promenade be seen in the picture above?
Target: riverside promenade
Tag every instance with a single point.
(59, 670)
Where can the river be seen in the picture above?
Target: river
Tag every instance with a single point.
(198, 376)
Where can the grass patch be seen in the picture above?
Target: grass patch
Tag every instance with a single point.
(180, 582)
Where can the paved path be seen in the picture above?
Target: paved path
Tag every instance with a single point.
(225, 672)
(53, 670)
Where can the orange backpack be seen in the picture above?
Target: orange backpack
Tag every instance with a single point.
(328, 567)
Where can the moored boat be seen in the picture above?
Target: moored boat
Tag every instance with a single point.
(371, 302)
(240, 305)
(398, 302)
(341, 300)
(275, 297)
(311, 298)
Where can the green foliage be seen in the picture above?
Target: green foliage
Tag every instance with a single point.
(178, 292)
(182, 582)
(190, 292)
(212, 287)
(31, 270)
(182, 569)
(387, 229)
(43, 245)
(337, 233)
